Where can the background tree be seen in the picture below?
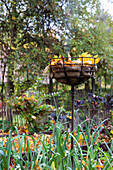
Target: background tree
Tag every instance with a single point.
(27, 37)
(90, 30)
(26, 34)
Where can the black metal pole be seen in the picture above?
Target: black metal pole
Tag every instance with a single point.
(93, 84)
(72, 124)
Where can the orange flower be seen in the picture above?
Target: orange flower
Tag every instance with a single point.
(99, 166)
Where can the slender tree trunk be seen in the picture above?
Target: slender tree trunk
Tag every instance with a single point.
(10, 91)
(2, 90)
(10, 72)
(50, 85)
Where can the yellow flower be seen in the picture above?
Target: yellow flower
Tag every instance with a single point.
(70, 117)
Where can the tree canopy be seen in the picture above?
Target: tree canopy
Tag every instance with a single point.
(32, 30)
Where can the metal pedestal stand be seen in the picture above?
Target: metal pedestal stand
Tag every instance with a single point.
(72, 75)
(72, 123)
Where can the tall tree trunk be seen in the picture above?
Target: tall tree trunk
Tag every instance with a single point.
(10, 91)
(2, 89)
(10, 84)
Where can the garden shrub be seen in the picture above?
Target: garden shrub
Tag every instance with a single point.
(32, 110)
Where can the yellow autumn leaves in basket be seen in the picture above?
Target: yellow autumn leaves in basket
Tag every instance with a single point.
(83, 59)
(89, 59)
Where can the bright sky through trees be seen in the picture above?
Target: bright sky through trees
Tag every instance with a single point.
(107, 5)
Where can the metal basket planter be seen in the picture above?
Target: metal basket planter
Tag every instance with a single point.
(72, 75)
(73, 71)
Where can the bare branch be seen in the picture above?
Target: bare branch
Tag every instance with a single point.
(6, 5)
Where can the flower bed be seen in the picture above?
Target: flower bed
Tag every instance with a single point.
(26, 149)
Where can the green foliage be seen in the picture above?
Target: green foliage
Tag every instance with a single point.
(5, 153)
(26, 34)
(90, 29)
(29, 36)
(55, 151)
(5, 125)
(31, 109)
